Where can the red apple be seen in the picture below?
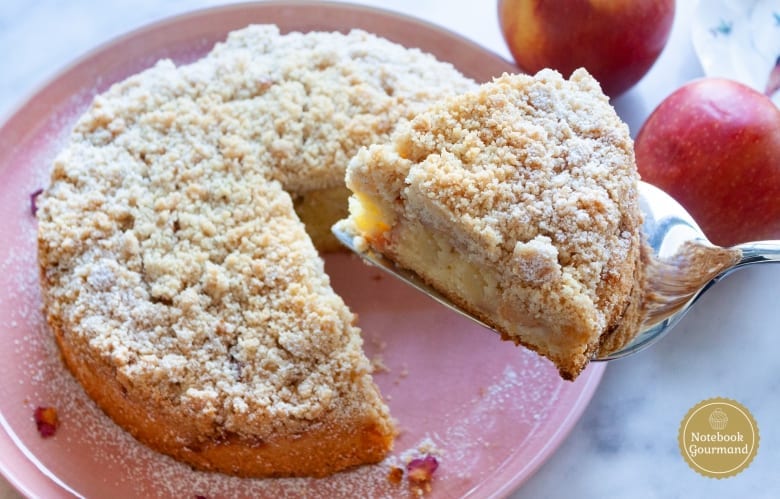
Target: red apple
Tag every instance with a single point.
(617, 41)
(714, 145)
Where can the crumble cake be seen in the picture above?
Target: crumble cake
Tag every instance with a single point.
(519, 202)
(183, 289)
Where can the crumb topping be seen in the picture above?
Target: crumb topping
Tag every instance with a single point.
(168, 241)
(534, 175)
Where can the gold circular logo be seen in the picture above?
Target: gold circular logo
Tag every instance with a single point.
(718, 437)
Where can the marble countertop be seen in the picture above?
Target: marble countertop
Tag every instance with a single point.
(625, 445)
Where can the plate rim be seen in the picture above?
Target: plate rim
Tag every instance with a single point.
(595, 372)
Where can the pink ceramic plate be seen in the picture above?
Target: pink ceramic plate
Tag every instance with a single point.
(493, 412)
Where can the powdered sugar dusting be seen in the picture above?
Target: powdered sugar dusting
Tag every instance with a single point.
(469, 435)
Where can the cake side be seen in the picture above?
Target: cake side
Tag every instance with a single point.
(196, 330)
(528, 187)
(338, 441)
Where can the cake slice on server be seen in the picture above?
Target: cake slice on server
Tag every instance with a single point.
(519, 202)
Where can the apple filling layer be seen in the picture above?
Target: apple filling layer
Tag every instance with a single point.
(519, 313)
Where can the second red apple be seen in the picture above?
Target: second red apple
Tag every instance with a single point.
(617, 41)
(714, 145)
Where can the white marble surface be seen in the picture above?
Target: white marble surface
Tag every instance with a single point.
(626, 443)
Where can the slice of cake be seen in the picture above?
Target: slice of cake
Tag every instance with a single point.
(519, 202)
(181, 285)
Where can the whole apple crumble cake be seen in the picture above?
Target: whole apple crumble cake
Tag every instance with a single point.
(519, 202)
(180, 283)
